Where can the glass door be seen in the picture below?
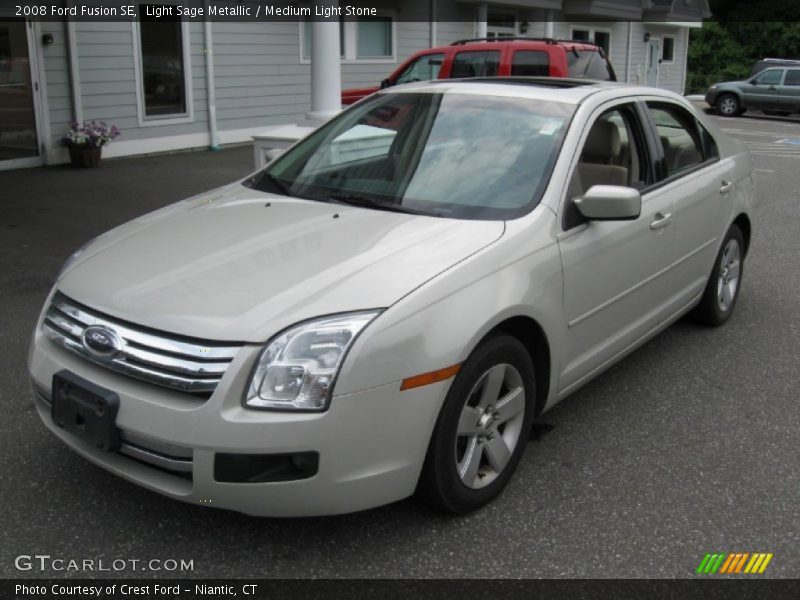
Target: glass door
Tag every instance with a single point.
(18, 138)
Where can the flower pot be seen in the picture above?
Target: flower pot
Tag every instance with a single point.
(85, 156)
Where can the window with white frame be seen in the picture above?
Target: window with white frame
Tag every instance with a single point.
(601, 37)
(668, 49)
(365, 39)
(163, 64)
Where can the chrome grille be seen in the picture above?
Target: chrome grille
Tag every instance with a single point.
(184, 364)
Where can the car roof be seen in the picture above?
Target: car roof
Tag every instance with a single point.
(557, 89)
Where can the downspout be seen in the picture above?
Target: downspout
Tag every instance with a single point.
(213, 134)
(433, 31)
(686, 33)
(74, 72)
(630, 49)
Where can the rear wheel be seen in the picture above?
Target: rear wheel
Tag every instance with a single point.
(482, 429)
(722, 289)
(728, 105)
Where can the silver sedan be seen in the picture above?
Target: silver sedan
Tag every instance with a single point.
(387, 307)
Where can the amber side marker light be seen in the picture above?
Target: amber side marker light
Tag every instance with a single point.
(429, 377)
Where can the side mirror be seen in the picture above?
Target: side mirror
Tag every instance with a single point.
(753, 81)
(610, 203)
(386, 83)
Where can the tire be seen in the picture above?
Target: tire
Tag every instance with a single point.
(722, 290)
(728, 105)
(478, 441)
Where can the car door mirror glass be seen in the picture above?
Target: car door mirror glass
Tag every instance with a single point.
(610, 203)
(386, 83)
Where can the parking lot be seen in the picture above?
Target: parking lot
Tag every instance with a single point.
(686, 447)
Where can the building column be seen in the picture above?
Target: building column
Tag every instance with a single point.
(482, 17)
(326, 74)
(548, 24)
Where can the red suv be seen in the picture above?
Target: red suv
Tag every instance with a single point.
(488, 57)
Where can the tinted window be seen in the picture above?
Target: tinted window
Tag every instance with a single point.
(475, 64)
(423, 69)
(530, 63)
(792, 77)
(680, 138)
(770, 77)
(417, 152)
(710, 150)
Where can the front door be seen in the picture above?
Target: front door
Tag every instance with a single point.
(763, 91)
(613, 291)
(653, 59)
(19, 143)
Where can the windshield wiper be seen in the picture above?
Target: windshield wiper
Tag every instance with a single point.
(368, 202)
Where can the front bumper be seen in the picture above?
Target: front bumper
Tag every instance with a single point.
(371, 444)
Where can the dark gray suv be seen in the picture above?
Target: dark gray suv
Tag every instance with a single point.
(775, 90)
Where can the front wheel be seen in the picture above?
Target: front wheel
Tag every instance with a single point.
(482, 429)
(728, 105)
(722, 289)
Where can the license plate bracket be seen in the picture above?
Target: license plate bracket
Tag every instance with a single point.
(86, 410)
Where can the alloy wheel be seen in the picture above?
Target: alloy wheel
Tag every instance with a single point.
(728, 280)
(490, 425)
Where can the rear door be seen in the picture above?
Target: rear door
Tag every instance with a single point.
(693, 176)
(790, 91)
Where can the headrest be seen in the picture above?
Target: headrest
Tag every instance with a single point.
(603, 141)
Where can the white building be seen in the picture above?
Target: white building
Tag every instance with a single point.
(177, 84)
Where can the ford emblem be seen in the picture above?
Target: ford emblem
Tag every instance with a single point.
(101, 341)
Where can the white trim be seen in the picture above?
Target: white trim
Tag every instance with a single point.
(74, 71)
(349, 29)
(674, 39)
(178, 118)
(41, 105)
(158, 145)
(21, 163)
(211, 95)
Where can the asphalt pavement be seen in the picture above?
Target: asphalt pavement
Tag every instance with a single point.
(689, 446)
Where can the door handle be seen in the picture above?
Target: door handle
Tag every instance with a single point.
(661, 221)
(725, 187)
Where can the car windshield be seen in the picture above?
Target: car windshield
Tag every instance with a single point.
(447, 154)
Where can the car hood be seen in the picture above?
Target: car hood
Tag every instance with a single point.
(239, 265)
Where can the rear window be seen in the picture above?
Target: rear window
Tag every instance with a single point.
(792, 77)
(475, 64)
(589, 64)
(530, 63)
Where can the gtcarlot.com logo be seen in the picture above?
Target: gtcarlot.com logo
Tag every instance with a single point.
(46, 562)
(734, 563)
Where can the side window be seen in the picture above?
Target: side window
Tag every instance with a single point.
(530, 63)
(680, 138)
(424, 68)
(770, 77)
(613, 153)
(792, 77)
(475, 64)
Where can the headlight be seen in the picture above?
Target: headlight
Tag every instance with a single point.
(297, 369)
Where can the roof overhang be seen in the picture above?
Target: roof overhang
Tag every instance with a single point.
(532, 4)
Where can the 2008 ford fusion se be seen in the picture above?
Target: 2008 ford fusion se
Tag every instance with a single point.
(387, 307)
